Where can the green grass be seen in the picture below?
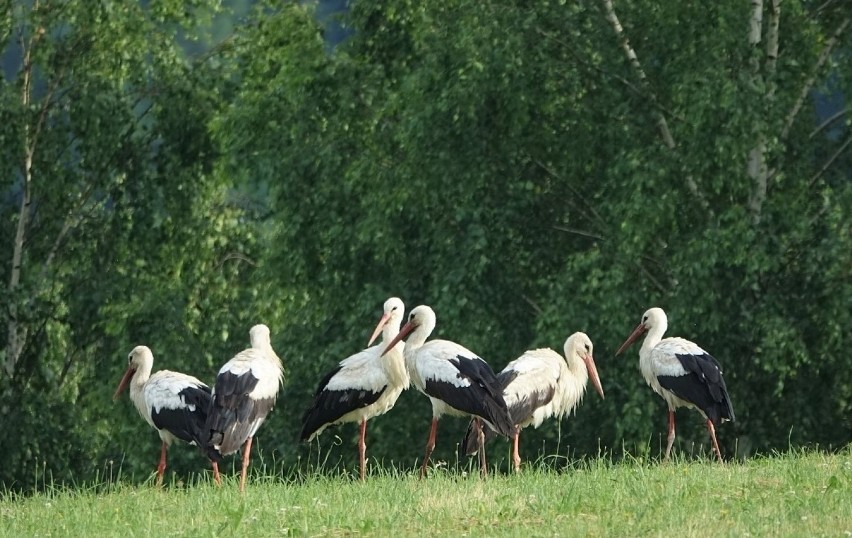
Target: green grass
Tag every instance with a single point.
(798, 494)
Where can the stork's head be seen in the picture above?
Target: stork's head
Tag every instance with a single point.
(392, 313)
(652, 318)
(422, 317)
(259, 336)
(139, 358)
(579, 345)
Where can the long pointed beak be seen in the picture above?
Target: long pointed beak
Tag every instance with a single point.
(407, 328)
(593, 374)
(379, 327)
(125, 380)
(637, 332)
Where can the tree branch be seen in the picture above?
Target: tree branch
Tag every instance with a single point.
(829, 162)
(831, 119)
(662, 124)
(633, 59)
(562, 180)
(583, 233)
(809, 83)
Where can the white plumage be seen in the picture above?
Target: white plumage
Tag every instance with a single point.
(683, 373)
(362, 386)
(542, 384)
(456, 380)
(173, 403)
(244, 394)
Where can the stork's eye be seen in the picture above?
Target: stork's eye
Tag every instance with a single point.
(394, 308)
(587, 348)
(644, 319)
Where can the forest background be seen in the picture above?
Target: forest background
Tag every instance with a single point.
(173, 172)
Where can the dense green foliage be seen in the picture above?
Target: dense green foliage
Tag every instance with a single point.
(788, 495)
(505, 164)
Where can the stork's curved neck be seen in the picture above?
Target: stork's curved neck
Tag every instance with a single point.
(655, 334)
(390, 330)
(580, 374)
(143, 372)
(418, 337)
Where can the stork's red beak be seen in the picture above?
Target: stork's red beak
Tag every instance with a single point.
(407, 328)
(125, 380)
(593, 373)
(637, 332)
(379, 327)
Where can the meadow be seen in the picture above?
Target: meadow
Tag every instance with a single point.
(793, 494)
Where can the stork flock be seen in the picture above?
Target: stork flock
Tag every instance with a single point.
(538, 385)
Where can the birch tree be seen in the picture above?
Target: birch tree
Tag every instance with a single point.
(116, 226)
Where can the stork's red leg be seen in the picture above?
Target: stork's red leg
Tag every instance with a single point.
(362, 448)
(161, 467)
(216, 477)
(430, 446)
(712, 431)
(671, 436)
(480, 441)
(246, 454)
(516, 456)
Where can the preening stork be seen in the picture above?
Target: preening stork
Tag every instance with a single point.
(362, 386)
(173, 403)
(454, 378)
(682, 373)
(541, 384)
(244, 394)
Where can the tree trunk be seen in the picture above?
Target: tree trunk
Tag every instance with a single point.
(17, 335)
(756, 167)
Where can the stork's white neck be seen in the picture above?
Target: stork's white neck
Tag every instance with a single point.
(580, 374)
(143, 372)
(655, 334)
(416, 339)
(419, 335)
(390, 330)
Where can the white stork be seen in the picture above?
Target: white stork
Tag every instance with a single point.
(541, 384)
(454, 378)
(173, 403)
(362, 386)
(244, 393)
(682, 373)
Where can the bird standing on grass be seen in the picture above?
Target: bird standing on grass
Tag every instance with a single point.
(362, 386)
(682, 373)
(175, 404)
(454, 378)
(541, 384)
(244, 394)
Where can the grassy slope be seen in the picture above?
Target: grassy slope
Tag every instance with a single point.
(789, 495)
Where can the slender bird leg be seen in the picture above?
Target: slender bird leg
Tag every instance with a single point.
(516, 456)
(712, 431)
(362, 448)
(216, 477)
(480, 440)
(671, 436)
(161, 467)
(246, 454)
(430, 446)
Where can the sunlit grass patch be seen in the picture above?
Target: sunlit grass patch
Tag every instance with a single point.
(796, 494)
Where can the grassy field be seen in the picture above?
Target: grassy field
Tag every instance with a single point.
(802, 494)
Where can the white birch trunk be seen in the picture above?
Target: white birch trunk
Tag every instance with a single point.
(17, 335)
(756, 167)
